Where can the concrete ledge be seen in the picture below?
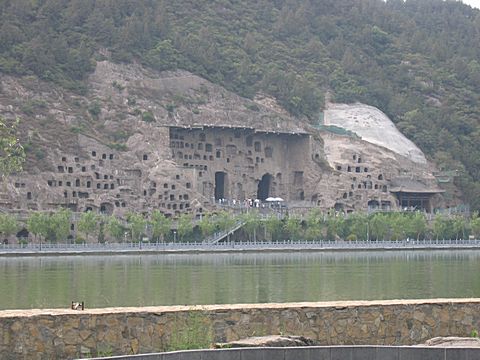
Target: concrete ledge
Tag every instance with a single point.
(316, 353)
(337, 305)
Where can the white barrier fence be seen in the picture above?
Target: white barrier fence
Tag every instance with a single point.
(239, 246)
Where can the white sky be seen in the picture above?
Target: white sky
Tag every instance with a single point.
(473, 3)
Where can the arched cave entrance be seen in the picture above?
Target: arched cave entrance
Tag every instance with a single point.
(220, 185)
(106, 209)
(23, 234)
(339, 206)
(263, 191)
(373, 205)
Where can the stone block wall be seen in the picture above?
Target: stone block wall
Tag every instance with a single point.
(63, 334)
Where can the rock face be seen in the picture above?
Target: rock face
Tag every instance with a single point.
(373, 126)
(371, 176)
(269, 341)
(141, 140)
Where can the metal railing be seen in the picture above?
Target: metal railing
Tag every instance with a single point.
(218, 236)
(243, 245)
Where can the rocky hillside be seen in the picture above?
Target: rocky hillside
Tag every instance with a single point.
(122, 101)
(109, 149)
(141, 140)
(416, 60)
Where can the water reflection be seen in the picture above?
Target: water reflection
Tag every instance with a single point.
(130, 280)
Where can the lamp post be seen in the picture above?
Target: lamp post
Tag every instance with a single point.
(174, 236)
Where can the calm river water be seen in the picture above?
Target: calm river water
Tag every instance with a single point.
(141, 280)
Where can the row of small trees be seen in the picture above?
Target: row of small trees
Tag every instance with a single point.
(388, 226)
(356, 226)
(91, 227)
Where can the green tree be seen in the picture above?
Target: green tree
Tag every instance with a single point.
(274, 227)
(336, 226)
(314, 223)
(38, 224)
(8, 225)
(379, 227)
(358, 226)
(115, 228)
(184, 226)
(251, 224)
(418, 225)
(441, 227)
(101, 231)
(459, 227)
(161, 225)
(137, 224)
(475, 225)
(293, 227)
(224, 221)
(163, 56)
(60, 224)
(398, 226)
(206, 225)
(12, 154)
(88, 223)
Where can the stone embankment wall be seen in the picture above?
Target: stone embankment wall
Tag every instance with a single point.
(63, 334)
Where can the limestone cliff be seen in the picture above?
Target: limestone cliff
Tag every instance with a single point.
(141, 140)
(373, 126)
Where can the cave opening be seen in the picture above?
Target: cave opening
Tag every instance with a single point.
(220, 185)
(263, 191)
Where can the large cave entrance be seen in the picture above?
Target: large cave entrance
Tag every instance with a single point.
(263, 191)
(220, 185)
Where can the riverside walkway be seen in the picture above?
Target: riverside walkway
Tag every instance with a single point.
(202, 247)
